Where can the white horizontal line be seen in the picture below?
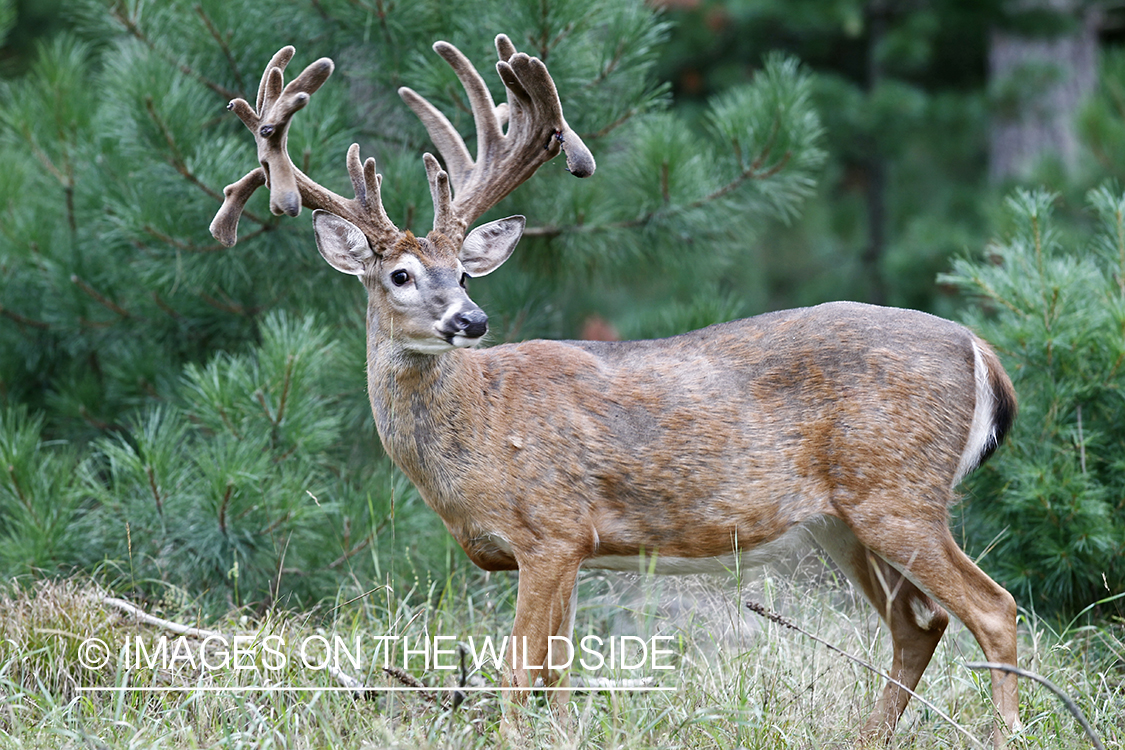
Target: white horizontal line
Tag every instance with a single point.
(361, 689)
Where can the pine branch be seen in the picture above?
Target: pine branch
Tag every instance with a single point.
(100, 298)
(237, 307)
(748, 174)
(177, 160)
(98, 424)
(223, 506)
(607, 129)
(23, 321)
(163, 305)
(120, 12)
(95, 324)
(191, 247)
(610, 66)
(155, 490)
(23, 498)
(214, 32)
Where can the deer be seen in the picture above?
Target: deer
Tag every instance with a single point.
(846, 422)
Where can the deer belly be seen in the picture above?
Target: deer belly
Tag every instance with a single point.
(651, 561)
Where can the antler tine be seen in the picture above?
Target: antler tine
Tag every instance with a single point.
(448, 141)
(290, 188)
(536, 132)
(440, 192)
(480, 99)
(442, 133)
(367, 184)
(528, 81)
(224, 227)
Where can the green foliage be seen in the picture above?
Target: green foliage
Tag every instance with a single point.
(7, 19)
(688, 214)
(39, 496)
(1050, 504)
(1102, 121)
(234, 489)
(901, 92)
(120, 149)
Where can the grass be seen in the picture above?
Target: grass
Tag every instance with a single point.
(741, 680)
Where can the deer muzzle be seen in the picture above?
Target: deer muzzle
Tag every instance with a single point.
(464, 326)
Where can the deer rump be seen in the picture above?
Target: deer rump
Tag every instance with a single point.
(697, 447)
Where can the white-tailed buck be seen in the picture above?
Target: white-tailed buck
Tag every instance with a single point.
(851, 422)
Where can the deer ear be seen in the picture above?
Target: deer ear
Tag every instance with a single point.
(489, 245)
(341, 243)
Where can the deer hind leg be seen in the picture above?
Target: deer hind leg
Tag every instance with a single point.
(926, 551)
(915, 622)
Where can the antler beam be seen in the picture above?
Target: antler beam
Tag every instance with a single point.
(290, 188)
(536, 132)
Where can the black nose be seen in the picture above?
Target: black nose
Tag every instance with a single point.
(472, 323)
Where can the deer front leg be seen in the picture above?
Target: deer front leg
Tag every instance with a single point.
(545, 604)
(557, 678)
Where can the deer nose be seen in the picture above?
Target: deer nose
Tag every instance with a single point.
(473, 323)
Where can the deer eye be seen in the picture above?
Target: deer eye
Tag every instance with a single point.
(400, 277)
(464, 280)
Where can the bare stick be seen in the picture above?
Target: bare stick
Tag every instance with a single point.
(1066, 699)
(411, 681)
(158, 622)
(774, 617)
(140, 615)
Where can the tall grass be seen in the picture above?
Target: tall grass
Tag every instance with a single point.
(740, 680)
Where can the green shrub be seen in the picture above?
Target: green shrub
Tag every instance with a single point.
(1049, 510)
(244, 488)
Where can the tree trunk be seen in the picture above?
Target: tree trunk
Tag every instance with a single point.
(1038, 84)
(875, 193)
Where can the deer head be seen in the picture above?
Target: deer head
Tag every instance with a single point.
(417, 285)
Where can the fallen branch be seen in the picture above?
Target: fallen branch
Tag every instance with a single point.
(404, 677)
(341, 677)
(1066, 699)
(158, 622)
(411, 681)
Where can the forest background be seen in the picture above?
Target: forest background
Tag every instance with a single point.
(182, 420)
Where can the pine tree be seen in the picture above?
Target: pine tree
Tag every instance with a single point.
(182, 414)
(908, 105)
(1047, 511)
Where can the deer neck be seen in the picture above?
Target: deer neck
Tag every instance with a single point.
(426, 407)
